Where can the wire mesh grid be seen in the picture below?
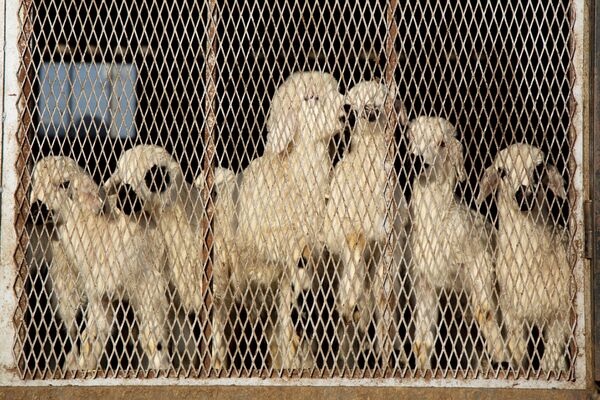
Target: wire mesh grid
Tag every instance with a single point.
(190, 206)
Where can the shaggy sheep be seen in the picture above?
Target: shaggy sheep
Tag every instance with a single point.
(532, 265)
(282, 197)
(113, 256)
(176, 208)
(450, 243)
(357, 209)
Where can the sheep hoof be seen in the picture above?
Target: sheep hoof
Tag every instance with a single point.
(356, 241)
(71, 363)
(295, 345)
(306, 253)
(356, 315)
(422, 355)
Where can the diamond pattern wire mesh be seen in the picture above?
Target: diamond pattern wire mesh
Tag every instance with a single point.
(377, 249)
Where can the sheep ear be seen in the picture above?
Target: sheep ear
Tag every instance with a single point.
(488, 183)
(401, 112)
(111, 184)
(456, 155)
(554, 180)
(281, 131)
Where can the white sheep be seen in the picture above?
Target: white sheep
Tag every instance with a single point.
(177, 209)
(67, 290)
(113, 256)
(450, 244)
(357, 211)
(282, 197)
(533, 270)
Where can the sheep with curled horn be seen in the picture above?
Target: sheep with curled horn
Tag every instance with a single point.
(113, 255)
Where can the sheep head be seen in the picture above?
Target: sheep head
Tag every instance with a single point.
(306, 107)
(151, 174)
(368, 99)
(517, 171)
(61, 184)
(433, 139)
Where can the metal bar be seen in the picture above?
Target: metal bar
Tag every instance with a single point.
(595, 178)
(24, 150)
(388, 284)
(209, 135)
(10, 124)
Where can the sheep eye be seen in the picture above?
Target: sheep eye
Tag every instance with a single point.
(308, 98)
(502, 173)
(65, 184)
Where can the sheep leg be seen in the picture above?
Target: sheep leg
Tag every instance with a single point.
(426, 311)
(287, 341)
(151, 306)
(382, 291)
(68, 303)
(517, 345)
(220, 284)
(353, 276)
(482, 306)
(219, 347)
(93, 339)
(68, 312)
(557, 332)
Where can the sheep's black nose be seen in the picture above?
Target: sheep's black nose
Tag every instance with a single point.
(352, 118)
(39, 214)
(525, 198)
(349, 117)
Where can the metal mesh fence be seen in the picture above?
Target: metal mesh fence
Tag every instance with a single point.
(191, 205)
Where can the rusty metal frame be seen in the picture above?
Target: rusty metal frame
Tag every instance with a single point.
(595, 177)
(157, 388)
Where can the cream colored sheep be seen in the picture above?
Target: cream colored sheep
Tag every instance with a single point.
(357, 210)
(113, 256)
(449, 242)
(177, 209)
(283, 194)
(532, 266)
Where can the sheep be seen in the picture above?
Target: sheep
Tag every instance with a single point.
(532, 264)
(357, 208)
(450, 243)
(282, 196)
(113, 257)
(68, 294)
(178, 210)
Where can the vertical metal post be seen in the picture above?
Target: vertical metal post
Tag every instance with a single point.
(388, 284)
(595, 177)
(25, 106)
(209, 133)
